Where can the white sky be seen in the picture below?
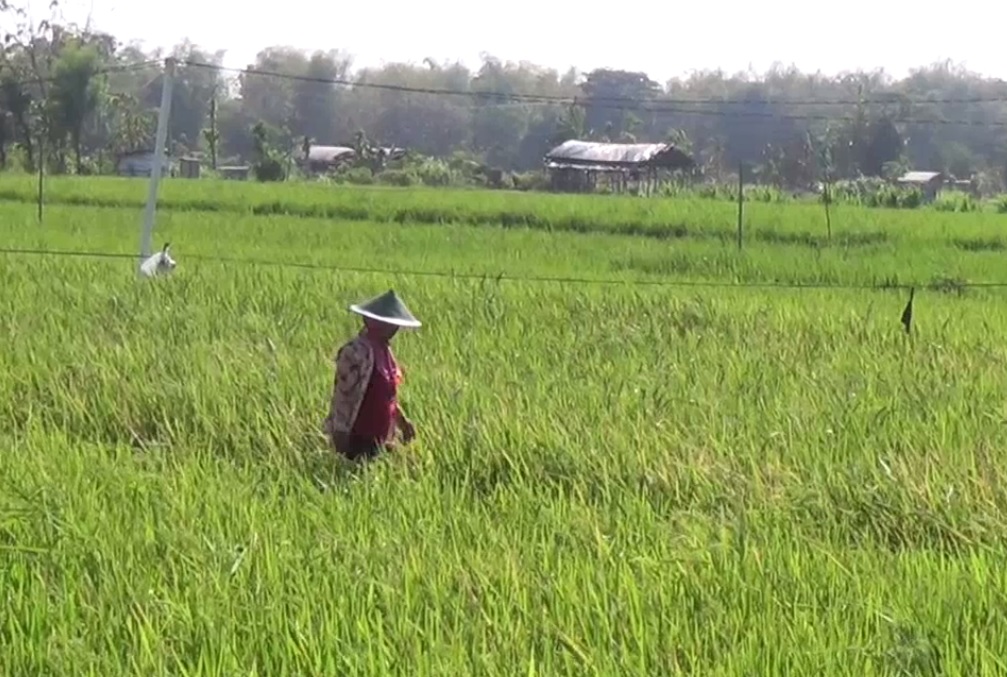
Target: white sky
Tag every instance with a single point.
(668, 39)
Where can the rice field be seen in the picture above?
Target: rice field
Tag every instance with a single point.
(643, 469)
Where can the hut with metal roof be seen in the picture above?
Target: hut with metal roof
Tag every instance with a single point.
(929, 183)
(141, 163)
(324, 158)
(320, 159)
(575, 166)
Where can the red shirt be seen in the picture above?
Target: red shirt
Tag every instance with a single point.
(376, 417)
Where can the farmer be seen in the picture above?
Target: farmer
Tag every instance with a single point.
(365, 413)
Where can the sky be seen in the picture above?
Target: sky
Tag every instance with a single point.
(669, 40)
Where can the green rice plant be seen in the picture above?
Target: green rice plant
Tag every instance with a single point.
(956, 201)
(658, 218)
(609, 478)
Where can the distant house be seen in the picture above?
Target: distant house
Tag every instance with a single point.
(969, 186)
(929, 183)
(140, 163)
(575, 166)
(234, 172)
(322, 159)
(189, 167)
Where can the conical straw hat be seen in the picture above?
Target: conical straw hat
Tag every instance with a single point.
(387, 308)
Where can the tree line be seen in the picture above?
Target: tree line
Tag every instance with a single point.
(59, 105)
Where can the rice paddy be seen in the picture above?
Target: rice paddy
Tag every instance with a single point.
(640, 451)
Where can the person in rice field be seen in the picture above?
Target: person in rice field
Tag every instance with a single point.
(365, 413)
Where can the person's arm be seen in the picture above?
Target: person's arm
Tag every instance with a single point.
(402, 422)
(404, 425)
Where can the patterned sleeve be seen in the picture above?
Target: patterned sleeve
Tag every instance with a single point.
(353, 365)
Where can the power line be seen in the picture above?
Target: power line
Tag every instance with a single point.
(667, 106)
(595, 100)
(500, 277)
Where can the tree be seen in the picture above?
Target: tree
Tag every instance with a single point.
(495, 119)
(270, 99)
(315, 101)
(571, 125)
(16, 104)
(130, 126)
(608, 90)
(212, 133)
(884, 145)
(193, 89)
(5, 135)
(24, 64)
(268, 166)
(483, 115)
(75, 96)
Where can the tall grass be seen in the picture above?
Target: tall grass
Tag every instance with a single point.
(608, 479)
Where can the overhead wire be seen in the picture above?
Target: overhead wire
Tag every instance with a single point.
(559, 99)
(541, 99)
(501, 277)
(667, 105)
(664, 105)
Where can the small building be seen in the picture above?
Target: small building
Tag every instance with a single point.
(321, 159)
(140, 163)
(929, 183)
(576, 166)
(968, 186)
(189, 167)
(234, 172)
